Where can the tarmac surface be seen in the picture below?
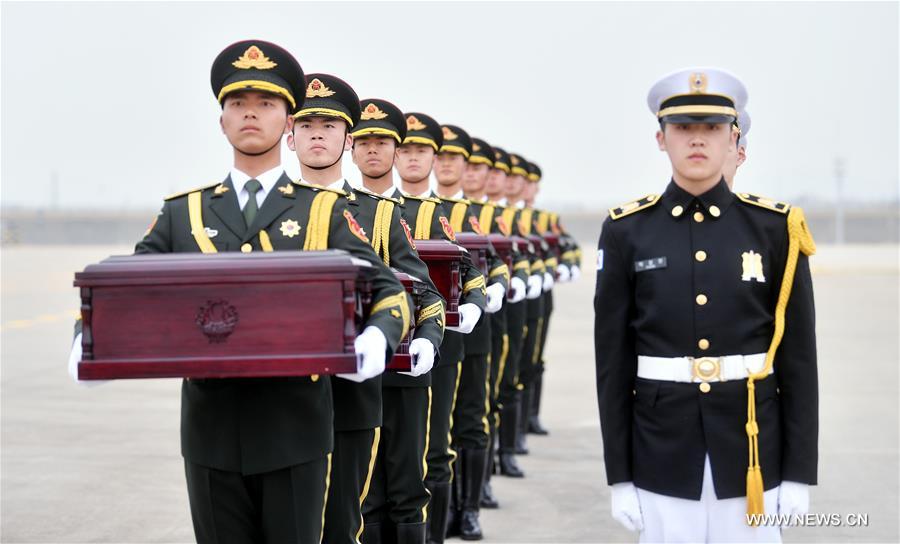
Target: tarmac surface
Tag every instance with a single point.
(103, 464)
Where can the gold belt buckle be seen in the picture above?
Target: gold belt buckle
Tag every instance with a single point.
(706, 369)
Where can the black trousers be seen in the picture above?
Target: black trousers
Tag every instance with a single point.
(545, 327)
(499, 355)
(528, 363)
(284, 505)
(444, 382)
(397, 491)
(471, 429)
(515, 326)
(351, 471)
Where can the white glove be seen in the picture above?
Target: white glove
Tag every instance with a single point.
(576, 272)
(495, 294)
(626, 508)
(548, 281)
(519, 290)
(563, 272)
(469, 314)
(793, 499)
(421, 352)
(74, 359)
(535, 286)
(370, 346)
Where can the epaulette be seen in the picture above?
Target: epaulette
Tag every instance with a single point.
(189, 191)
(423, 198)
(632, 207)
(458, 200)
(319, 187)
(376, 195)
(763, 202)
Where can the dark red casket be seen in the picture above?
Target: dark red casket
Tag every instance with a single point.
(415, 288)
(478, 246)
(444, 259)
(222, 315)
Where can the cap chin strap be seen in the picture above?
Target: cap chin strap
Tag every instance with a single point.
(276, 144)
(379, 176)
(311, 167)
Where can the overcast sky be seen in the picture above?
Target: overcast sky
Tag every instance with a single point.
(113, 99)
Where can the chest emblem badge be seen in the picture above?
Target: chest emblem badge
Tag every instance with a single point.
(752, 267)
(290, 228)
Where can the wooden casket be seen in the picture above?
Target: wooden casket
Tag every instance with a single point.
(415, 287)
(478, 247)
(223, 315)
(444, 260)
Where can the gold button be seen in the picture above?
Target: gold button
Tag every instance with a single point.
(246, 248)
(703, 344)
(698, 217)
(705, 387)
(314, 378)
(701, 299)
(677, 210)
(715, 211)
(700, 256)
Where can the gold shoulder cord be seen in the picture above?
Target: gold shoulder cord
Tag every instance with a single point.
(457, 214)
(508, 215)
(423, 220)
(525, 220)
(319, 221)
(487, 218)
(381, 237)
(197, 229)
(800, 239)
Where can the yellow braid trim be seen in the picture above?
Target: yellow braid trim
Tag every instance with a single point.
(319, 221)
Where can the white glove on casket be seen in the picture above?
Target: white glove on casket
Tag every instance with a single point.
(74, 359)
(548, 281)
(518, 289)
(422, 352)
(469, 314)
(535, 286)
(626, 507)
(371, 347)
(576, 272)
(563, 272)
(495, 294)
(793, 499)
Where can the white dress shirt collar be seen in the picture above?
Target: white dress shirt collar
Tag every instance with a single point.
(267, 179)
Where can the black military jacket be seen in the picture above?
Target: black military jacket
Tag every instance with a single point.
(397, 250)
(680, 275)
(260, 425)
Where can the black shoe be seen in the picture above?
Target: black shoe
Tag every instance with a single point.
(408, 533)
(535, 427)
(438, 507)
(470, 528)
(509, 423)
(487, 497)
(474, 461)
(509, 467)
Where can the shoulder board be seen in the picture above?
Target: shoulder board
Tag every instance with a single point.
(763, 202)
(319, 187)
(201, 188)
(458, 200)
(422, 198)
(632, 207)
(376, 196)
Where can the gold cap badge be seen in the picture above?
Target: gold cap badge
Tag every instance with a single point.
(515, 160)
(413, 123)
(476, 147)
(372, 112)
(449, 134)
(317, 89)
(698, 82)
(253, 57)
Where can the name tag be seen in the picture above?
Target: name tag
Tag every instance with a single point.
(650, 264)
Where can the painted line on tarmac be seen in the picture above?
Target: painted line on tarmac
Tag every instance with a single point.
(43, 319)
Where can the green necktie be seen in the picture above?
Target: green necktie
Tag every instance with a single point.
(251, 207)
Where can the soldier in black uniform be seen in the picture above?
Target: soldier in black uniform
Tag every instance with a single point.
(258, 451)
(471, 428)
(394, 508)
(428, 219)
(321, 135)
(739, 154)
(705, 337)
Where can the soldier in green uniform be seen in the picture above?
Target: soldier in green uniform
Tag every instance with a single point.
(504, 354)
(395, 506)
(428, 219)
(321, 135)
(258, 451)
(471, 429)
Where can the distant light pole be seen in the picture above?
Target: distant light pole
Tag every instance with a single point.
(839, 206)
